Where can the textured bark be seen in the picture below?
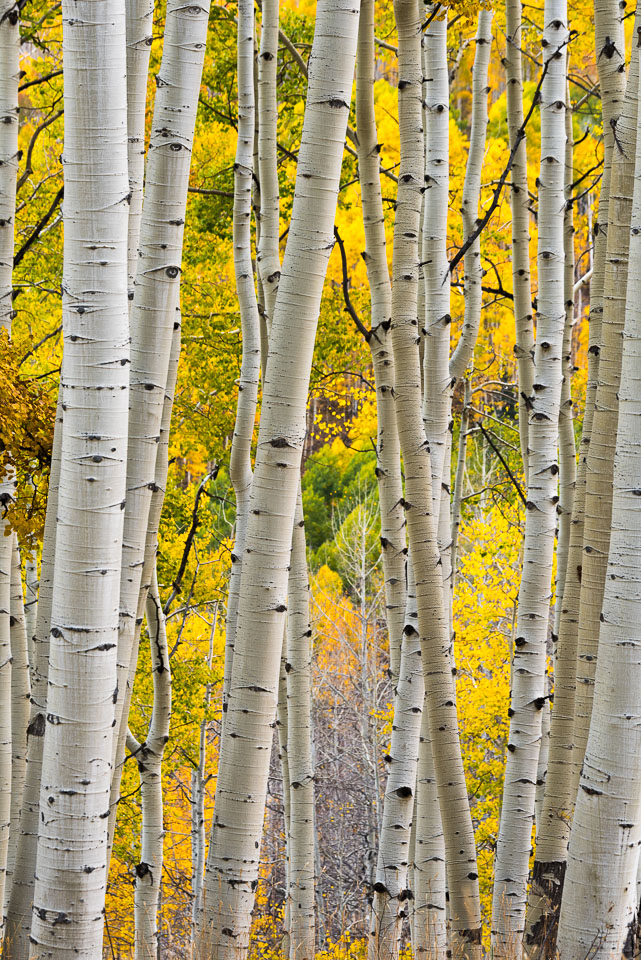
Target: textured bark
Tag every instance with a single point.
(153, 313)
(553, 827)
(388, 466)
(139, 21)
(600, 886)
(18, 927)
(473, 269)
(244, 761)
(71, 876)
(149, 758)
(391, 891)
(459, 480)
(554, 800)
(529, 662)
(240, 469)
(267, 254)
(20, 697)
(421, 526)
(5, 710)
(520, 206)
(600, 458)
(436, 356)
(301, 771)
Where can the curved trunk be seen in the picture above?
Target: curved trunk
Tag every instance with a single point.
(232, 869)
(598, 912)
(71, 876)
(529, 663)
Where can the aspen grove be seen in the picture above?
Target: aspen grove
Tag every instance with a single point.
(320, 480)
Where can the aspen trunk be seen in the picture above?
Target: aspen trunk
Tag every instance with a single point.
(76, 771)
(139, 21)
(20, 697)
(16, 946)
(598, 911)
(520, 207)
(301, 884)
(391, 893)
(600, 458)
(244, 760)
(419, 498)
(267, 253)
(388, 466)
(240, 470)
(529, 662)
(153, 313)
(5, 711)
(149, 757)
(562, 778)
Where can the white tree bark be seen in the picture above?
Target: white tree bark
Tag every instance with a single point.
(149, 757)
(5, 711)
(422, 528)
(473, 268)
(267, 254)
(76, 772)
(244, 760)
(529, 663)
(153, 313)
(20, 697)
(298, 667)
(520, 207)
(388, 467)
(553, 826)
(391, 892)
(140, 19)
(597, 910)
(240, 468)
(16, 946)
(599, 466)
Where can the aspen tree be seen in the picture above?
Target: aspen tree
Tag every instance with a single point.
(71, 876)
(391, 893)
(599, 901)
(422, 530)
(140, 15)
(153, 314)
(16, 945)
(554, 801)
(528, 671)
(149, 758)
(244, 760)
(600, 457)
(5, 712)
(436, 357)
(149, 753)
(9, 76)
(520, 208)
(562, 776)
(267, 253)
(388, 466)
(240, 470)
(300, 889)
(20, 696)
